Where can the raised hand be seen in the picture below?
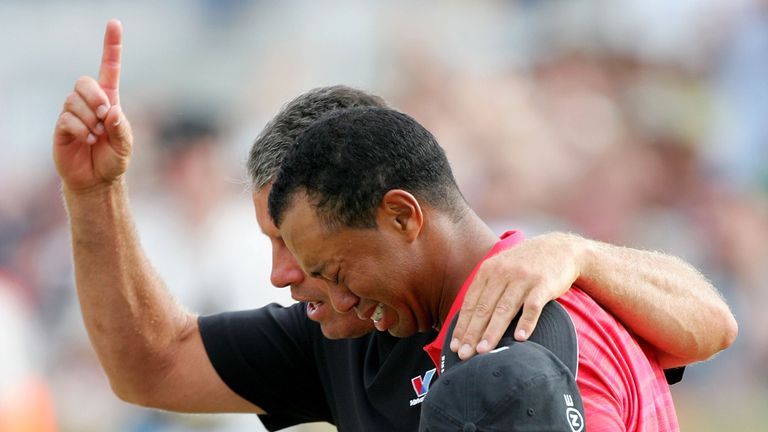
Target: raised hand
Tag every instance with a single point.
(92, 140)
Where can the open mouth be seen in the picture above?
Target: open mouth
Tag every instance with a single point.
(313, 308)
(378, 313)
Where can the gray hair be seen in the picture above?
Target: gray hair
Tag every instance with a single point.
(280, 134)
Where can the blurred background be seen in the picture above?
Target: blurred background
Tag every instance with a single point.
(642, 122)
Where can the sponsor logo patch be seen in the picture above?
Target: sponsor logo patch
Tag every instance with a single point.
(421, 386)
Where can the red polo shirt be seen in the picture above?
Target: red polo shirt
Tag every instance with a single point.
(621, 383)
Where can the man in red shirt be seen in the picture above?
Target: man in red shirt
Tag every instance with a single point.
(368, 203)
(621, 382)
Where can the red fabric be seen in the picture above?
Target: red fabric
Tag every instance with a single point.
(622, 385)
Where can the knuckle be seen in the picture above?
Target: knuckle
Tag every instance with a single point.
(514, 271)
(482, 309)
(64, 119)
(528, 320)
(534, 303)
(494, 265)
(534, 278)
(505, 308)
(81, 83)
(494, 331)
(469, 336)
(70, 101)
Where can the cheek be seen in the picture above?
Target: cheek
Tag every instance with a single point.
(376, 269)
(317, 287)
(377, 282)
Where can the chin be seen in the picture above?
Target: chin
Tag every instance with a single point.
(402, 333)
(346, 330)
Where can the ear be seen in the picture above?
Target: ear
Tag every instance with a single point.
(400, 211)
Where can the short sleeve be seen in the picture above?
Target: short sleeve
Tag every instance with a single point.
(266, 356)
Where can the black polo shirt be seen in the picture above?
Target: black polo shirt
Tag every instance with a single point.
(278, 359)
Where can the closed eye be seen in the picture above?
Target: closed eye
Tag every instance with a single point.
(332, 279)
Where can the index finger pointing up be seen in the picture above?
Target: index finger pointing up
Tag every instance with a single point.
(109, 71)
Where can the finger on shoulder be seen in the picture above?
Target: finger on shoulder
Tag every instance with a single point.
(504, 313)
(468, 311)
(532, 308)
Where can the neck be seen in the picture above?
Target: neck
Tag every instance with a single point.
(458, 247)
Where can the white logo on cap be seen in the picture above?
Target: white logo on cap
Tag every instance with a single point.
(575, 420)
(572, 415)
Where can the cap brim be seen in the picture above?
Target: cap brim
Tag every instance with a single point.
(554, 331)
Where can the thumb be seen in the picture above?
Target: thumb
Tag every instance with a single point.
(119, 131)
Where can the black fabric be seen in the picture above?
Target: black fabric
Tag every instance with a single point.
(518, 387)
(674, 375)
(554, 331)
(278, 359)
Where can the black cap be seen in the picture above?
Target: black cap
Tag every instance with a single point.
(518, 386)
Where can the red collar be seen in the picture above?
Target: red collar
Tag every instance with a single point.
(507, 240)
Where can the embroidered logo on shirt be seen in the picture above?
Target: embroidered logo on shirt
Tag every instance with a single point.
(421, 386)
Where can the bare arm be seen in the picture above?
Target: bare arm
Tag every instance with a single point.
(149, 346)
(660, 298)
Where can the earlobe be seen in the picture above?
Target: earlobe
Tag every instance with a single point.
(401, 211)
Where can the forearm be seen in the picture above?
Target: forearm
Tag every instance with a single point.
(660, 298)
(132, 321)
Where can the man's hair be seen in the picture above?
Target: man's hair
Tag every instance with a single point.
(347, 161)
(281, 133)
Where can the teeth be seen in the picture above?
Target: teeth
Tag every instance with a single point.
(378, 313)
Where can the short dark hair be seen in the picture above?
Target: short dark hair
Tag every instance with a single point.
(280, 134)
(347, 161)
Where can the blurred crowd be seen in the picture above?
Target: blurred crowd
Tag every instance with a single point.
(641, 123)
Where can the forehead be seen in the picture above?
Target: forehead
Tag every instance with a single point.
(315, 245)
(305, 235)
(260, 205)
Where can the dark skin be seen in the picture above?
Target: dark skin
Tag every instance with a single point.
(410, 264)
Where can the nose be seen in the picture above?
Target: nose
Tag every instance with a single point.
(285, 269)
(342, 299)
